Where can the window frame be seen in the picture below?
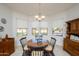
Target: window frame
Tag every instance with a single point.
(21, 34)
(40, 31)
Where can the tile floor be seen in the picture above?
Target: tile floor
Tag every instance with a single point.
(58, 51)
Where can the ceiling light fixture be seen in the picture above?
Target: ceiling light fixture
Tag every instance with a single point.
(39, 17)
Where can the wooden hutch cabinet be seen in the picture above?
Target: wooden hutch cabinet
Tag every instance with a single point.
(6, 46)
(72, 46)
(73, 26)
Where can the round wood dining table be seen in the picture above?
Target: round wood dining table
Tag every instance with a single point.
(35, 44)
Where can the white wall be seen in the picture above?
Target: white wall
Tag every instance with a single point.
(7, 14)
(19, 21)
(73, 13)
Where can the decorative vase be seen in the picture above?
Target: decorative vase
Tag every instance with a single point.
(39, 41)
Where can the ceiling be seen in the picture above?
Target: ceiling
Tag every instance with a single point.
(45, 8)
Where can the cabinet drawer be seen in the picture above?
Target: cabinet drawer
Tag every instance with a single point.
(75, 47)
(73, 51)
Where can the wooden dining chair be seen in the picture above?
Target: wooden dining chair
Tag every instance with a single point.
(37, 51)
(49, 49)
(53, 42)
(23, 42)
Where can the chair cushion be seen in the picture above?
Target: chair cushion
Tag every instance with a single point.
(49, 48)
(26, 48)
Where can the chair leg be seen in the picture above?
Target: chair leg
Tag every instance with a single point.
(51, 53)
(24, 54)
(48, 53)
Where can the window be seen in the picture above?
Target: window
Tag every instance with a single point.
(57, 31)
(35, 31)
(44, 31)
(21, 31)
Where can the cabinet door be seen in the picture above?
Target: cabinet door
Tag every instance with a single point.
(11, 45)
(6, 47)
(73, 26)
(65, 43)
(78, 25)
(1, 48)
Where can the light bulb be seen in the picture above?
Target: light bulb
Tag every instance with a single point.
(42, 16)
(36, 16)
(39, 18)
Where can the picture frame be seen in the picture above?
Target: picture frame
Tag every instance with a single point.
(3, 20)
(1, 28)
